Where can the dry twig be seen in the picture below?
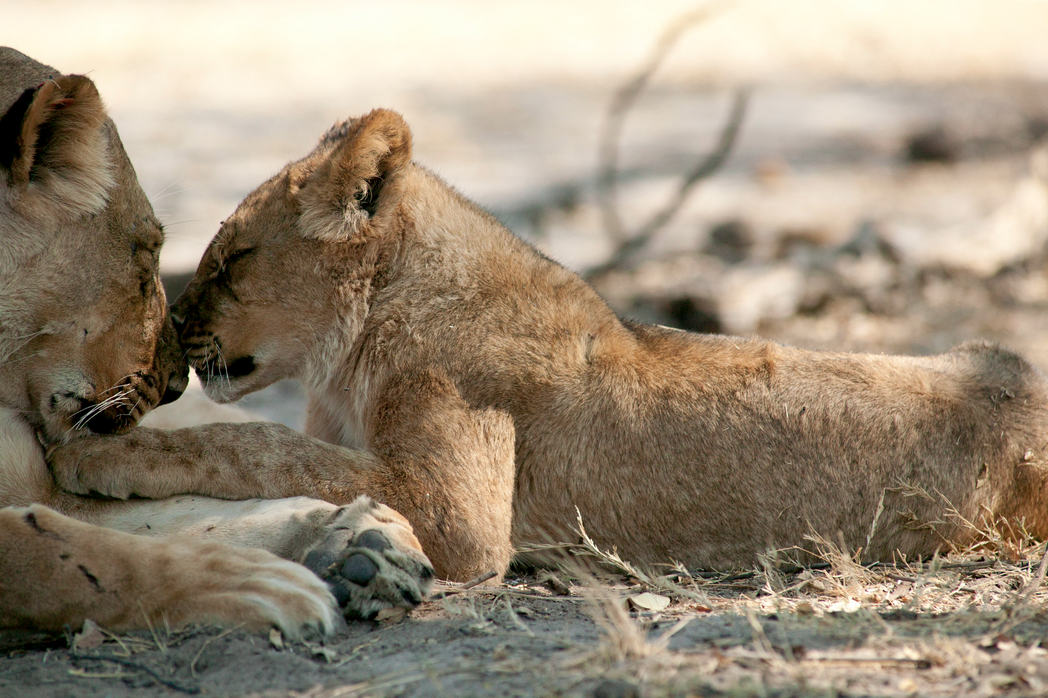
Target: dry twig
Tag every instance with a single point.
(607, 179)
(466, 586)
(196, 657)
(139, 666)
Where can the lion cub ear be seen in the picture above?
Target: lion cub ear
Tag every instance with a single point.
(351, 185)
(53, 149)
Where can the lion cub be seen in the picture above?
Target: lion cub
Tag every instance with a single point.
(491, 397)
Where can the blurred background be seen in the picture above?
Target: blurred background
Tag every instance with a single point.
(886, 189)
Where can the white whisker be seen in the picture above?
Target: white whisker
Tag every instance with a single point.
(225, 366)
(93, 410)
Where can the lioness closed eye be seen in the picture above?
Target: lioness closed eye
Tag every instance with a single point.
(486, 393)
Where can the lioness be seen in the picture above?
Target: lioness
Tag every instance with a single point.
(488, 394)
(87, 346)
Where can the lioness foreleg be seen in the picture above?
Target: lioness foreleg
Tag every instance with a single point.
(365, 552)
(56, 571)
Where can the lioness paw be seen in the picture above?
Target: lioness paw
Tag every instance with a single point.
(372, 561)
(259, 590)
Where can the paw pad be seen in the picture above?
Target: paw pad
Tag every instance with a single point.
(359, 569)
(373, 539)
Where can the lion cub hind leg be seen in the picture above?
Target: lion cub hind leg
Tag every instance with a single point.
(56, 571)
(371, 560)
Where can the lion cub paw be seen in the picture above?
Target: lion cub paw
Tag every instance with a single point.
(372, 561)
(96, 465)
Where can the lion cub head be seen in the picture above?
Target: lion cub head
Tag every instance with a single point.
(285, 283)
(86, 342)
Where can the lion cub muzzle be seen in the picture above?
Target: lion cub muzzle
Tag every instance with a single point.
(211, 364)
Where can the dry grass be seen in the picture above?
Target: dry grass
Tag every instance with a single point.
(952, 625)
(967, 623)
(1000, 570)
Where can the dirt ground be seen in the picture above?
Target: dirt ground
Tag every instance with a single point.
(825, 634)
(888, 192)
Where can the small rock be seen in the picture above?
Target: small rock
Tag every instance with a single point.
(750, 293)
(556, 584)
(693, 314)
(89, 637)
(932, 145)
(731, 241)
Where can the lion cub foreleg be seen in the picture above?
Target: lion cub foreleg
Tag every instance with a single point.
(227, 461)
(450, 470)
(254, 477)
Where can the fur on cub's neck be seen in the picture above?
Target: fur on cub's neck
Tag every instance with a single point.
(428, 250)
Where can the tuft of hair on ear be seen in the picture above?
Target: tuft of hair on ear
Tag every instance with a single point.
(346, 190)
(53, 147)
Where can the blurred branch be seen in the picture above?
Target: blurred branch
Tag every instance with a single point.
(611, 135)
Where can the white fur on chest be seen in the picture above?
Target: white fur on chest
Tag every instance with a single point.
(339, 415)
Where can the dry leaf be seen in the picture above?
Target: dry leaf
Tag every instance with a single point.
(648, 602)
(89, 637)
(276, 639)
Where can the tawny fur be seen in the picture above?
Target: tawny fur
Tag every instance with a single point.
(487, 393)
(87, 345)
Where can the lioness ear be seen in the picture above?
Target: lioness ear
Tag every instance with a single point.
(346, 190)
(53, 149)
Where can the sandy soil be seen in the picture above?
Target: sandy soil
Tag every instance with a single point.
(820, 231)
(521, 639)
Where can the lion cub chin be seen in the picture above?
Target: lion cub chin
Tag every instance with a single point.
(491, 397)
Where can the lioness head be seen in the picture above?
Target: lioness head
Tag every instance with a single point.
(263, 305)
(86, 342)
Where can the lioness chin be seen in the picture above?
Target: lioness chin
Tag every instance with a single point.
(87, 348)
(490, 396)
